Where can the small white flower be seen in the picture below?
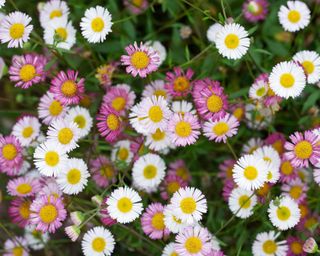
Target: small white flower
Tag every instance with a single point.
(241, 202)
(82, 118)
(27, 129)
(266, 245)
(310, 60)
(53, 11)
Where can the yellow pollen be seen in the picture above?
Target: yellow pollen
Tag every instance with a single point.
(303, 149)
(155, 114)
(62, 33)
(220, 128)
(65, 135)
(157, 221)
(80, 121)
(269, 247)
(137, 3)
(118, 103)
(17, 30)
(286, 168)
(17, 251)
(193, 245)
(27, 72)
(69, 88)
(308, 67)
(107, 171)
(295, 192)
(283, 213)
(250, 172)
(48, 213)
(24, 210)
(173, 187)
(27, 132)
(183, 129)
(97, 24)
(160, 93)
(51, 158)
(232, 41)
(98, 244)
(24, 188)
(244, 201)
(124, 205)
(188, 205)
(261, 91)
(158, 135)
(294, 16)
(9, 152)
(55, 14)
(214, 103)
(181, 84)
(150, 171)
(296, 248)
(55, 108)
(74, 176)
(113, 122)
(123, 154)
(287, 80)
(140, 60)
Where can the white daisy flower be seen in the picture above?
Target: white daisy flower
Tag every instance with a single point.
(53, 11)
(295, 16)
(15, 29)
(257, 118)
(35, 239)
(148, 172)
(182, 107)
(158, 47)
(27, 129)
(97, 241)
(189, 204)
(64, 133)
(171, 221)
(241, 202)
(73, 177)
(82, 118)
(121, 152)
(49, 158)
(156, 88)
(159, 140)
(232, 41)
(124, 205)
(2, 2)
(284, 213)
(169, 250)
(251, 145)
(310, 60)
(287, 79)
(60, 33)
(266, 245)
(96, 24)
(250, 172)
(258, 90)
(212, 32)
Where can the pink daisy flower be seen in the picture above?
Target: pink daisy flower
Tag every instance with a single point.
(255, 10)
(152, 222)
(104, 74)
(183, 129)
(287, 171)
(226, 169)
(23, 187)
(19, 211)
(221, 129)
(66, 88)
(103, 171)
(237, 110)
(178, 82)
(10, 155)
(277, 141)
(303, 148)
(170, 185)
(209, 98)
(104, 214)
(110, 124)
(137, 147)
(49, 188)
(47, 213)
(136, 6)
(156, 88)
(228, 186)
(309, 224)
(141, 60)
(215, 253)
(120, 98)
(179, 168)
(27, 70)
(16, 246)
(193, 241)
(296, 189)
(295, 245)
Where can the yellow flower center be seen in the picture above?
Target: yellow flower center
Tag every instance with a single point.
(157, 221)
(244, 202)
(174, 254)
(16, 30)
(286, 168)
(232, 41)
(181, 84)
(182, 172)
(188, 205)
(27, 72)
(150, 171)
(27, 132)
(97, 24)
(80, 121)
(140, 60)
(137, 3)
(238, 113)
(278, 145)
(261, 91)
(48, 213)
(308, 67)
(295, 192)
(24, 188)
(24, 210)
(263, 191)
(55, 14)
(303, 149)
(125, 205)
(250, 172)
(17, 251)
(303, 210)
(107, 171)
(214, 103)
(118, 103)
(51, 158)
(62, 33)
(173, 187)
(296, 248)
(159, 93)
(193, 245)
(269, 247)
(69, 88)
(9, 151)
(74, 176)
(155, 114)
(158, 135)
(283, 213)
(269, 175)
(98, 244)
(65, 135)
(123, 154)
(294, 16)
(183, 129)
(113, 122)
(287, 80)
(310, 222)
(220, 128)
(55, 108)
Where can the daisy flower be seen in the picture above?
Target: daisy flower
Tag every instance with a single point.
(226, 169)
(169, 250)
(49, 158)
(66, 88)
(241, 202)
(10, 155)
(265, 244)
(105, 73)
(296, 189)
(27, 70)
(141, 60)
(103, 171)
(303, 148)
(250, 172)
(193, 241)
(255, 10)
(310, 60)
(295, 246)
(237, 110)
(258, 90)
(2, 2)
(96, 24)
(97, 241)
(258, 118)
(251, 145)
(189, 204)
(156, 88)
(178, 82)
(73, 177)
(104, 214)
(53, 11)
(180, 169)
(182, 107)
(80, 116)
(295, 16)
(287, 79)
(277, 141)
(19, 211)
(47, 213)
(170, 185)
(27, 129)
(36, 239)
(172, 222)
(16, 246)
(152, 222)
(232, 41)
(72, 232)
(287, 171)
(136, 6)
(159, 140)
(121, 152)
(64, 133)
(50, 109)
(158, 47)
(221, 129)
(213, 31)
(23, 187)
(183, 129)
(15, 29)
(284, 213)
(124, 205)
